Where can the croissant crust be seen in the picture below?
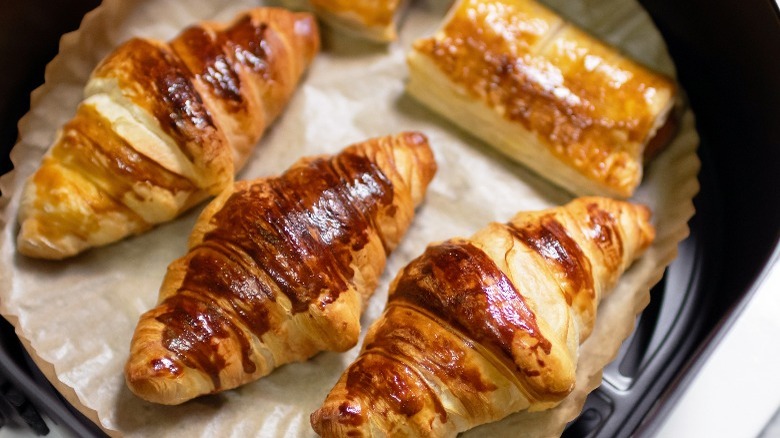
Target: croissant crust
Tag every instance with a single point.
(278, 269)
(162, 127)
(369, 19)
(476, 329)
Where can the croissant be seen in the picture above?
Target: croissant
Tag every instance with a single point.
(374, 20)
(476, 329)
(162, 127)
(278, 269)
(544, 93)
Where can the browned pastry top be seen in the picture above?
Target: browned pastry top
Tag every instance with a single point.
(593, 108)
(462, 286)
(475, 329)
(369, 12)
(162, 126)
(299, 231)
(406, 341)
(213, 56)
(164, 78)
(96, 149)
(564, 258)
(155, 79)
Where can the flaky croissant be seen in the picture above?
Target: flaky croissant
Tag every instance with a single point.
(279, 269)
(162, 127)
(374, 20)
(476, 329)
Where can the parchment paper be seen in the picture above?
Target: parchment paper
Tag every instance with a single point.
(76, 317)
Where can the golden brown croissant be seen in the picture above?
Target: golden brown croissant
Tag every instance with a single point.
(476, 329)
(545, 94)
(370, 19)
(162, 127)
(279, 269)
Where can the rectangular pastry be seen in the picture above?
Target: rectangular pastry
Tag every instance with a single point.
(545, 93)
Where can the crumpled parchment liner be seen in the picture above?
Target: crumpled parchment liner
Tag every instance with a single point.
(76, 317)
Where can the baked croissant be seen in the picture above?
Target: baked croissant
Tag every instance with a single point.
(544, 93)
(162, 127)
(374, 20)
(476, 329)
(278, 269)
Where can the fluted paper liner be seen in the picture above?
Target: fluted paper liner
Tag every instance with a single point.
(76, 317)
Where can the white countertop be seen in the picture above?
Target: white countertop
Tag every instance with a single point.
(736, 393)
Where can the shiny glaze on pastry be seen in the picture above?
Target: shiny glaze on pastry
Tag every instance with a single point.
(590, 107)
(370, 13)
(370, 19)
(476, 329)
(279, 269)
(162, 127)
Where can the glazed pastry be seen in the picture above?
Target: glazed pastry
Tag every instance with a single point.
(279, 269)
(371, 19)
(162, 127)
(544, 93)
(476, 329)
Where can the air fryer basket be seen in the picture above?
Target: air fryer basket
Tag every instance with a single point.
(727, 59)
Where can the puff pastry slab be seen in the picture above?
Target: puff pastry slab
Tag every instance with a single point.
(279, 269)
(162, 127)
(545, 93)
(476, 329)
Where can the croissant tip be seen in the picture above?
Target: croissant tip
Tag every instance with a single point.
(155, 391)
(314, 420)
(331, 420)
(37, 245)
(415, 137)
(645, 212)
(157, 381)
(308, 30)
(646, 224)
